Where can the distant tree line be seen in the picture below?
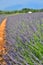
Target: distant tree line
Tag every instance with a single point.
(24, 10)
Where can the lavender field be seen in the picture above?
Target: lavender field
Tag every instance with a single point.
(24, 35)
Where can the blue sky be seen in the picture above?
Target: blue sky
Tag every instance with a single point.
(19, 4)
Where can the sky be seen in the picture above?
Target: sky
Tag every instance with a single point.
(19, 4)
